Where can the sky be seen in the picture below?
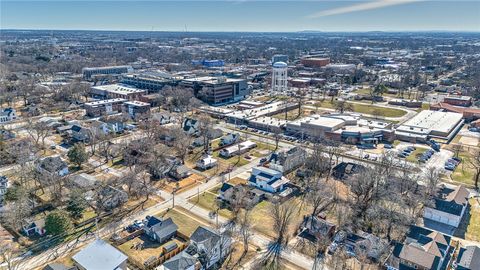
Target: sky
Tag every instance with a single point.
(242, 15)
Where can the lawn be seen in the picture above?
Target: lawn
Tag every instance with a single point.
(413, 157)
(186, 225)
(141, 248)
(207, 200)
(465, 171)
(473, 229)
(366, 109)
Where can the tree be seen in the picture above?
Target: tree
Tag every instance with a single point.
(77, 154)
(76, 204)
(475, 162)
(343, 106)
(282, 215)
(38, 131)
(8, 255)
(181, 143)
(58, 222)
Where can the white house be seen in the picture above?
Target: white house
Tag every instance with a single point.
(7, 115)
(267, 179)
(237, 149)
(206, 163)
(36, 227)
(448, 208)
(211, 243)
(99, 255)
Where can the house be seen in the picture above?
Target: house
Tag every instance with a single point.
(468, 258)
(422, 249)
(344, 169)
(206, 163)
(162, 118)
(58, 266)
(316, 228)
(99, 255)
(286, 161)
(242, 195)
(365, 245)
(197, 142)
(110, 197)
(181, 261)
(53, 165)
(229, 139)
(35, 227)
(448, 209)
(190, 126)
(210, 246)
(84, 181)
(7, 115)
(81, 134)
(7, 134)
(179, 171)
(214, 133)
(237, 149)
(160, 230)
(268, 180)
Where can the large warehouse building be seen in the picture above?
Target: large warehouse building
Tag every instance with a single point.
(430, 124)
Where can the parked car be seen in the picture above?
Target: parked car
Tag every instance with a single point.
(388, 146)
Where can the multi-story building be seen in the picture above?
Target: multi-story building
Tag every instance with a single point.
(217, 90)
(137, 109)
(279, 58)
(111, 91)
(279, 76)
(104, 107)
(88, 72)
(315, 62)
(147, 81)
(464, 101)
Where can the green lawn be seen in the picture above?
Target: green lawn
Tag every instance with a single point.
(366, 109)
(416, 154)
(464, 172)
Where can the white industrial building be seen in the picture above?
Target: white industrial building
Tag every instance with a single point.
(237, 149)
(279, 76)
(430, 124)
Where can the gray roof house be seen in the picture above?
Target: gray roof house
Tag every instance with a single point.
(447, 212)
(181, 261)
(469, 258)
(210, 246)
(160, 230)
(54, 165)
(99, 255)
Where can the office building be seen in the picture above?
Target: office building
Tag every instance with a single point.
(116, 91)
(430, 124)
(88, 72)
(217, 90)
(104, 107)
(150, 81)
(279, 58)
(279, 76)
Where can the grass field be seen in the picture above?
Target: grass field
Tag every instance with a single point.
(473, 229)
(207, 200)
(186, 225)
(366, 109)
(464, 172)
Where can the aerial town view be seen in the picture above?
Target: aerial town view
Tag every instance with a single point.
(200, 135)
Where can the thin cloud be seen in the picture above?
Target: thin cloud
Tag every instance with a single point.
(360, 7)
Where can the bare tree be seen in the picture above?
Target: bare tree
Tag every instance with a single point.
(431, 178)
(38, 131)
(181, 143)
(282, 215)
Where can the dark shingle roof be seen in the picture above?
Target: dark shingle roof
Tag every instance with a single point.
(180, 261)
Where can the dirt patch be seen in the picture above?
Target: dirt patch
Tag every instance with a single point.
(469, 141)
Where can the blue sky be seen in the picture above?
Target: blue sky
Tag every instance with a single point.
(243, 15)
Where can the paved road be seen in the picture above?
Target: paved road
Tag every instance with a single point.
(31, 262)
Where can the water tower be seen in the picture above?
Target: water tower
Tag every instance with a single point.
(279, 76)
